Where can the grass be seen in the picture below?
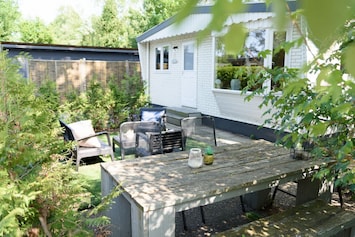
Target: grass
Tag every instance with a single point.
(91, 172)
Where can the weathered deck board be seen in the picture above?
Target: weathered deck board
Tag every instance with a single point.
(315, 218)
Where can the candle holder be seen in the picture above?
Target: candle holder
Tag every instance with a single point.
(195, 158)
(301, 151)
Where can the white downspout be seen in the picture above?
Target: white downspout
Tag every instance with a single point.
(148, 68)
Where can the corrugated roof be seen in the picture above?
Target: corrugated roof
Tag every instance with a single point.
(200, 19)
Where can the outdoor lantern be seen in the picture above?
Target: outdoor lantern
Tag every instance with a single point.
(301, 151)
(195, 158)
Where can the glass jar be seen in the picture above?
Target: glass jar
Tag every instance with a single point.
(195, 158)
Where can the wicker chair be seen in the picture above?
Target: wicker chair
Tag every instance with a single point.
(82, 150)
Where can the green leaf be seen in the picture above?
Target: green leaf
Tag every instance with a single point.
(323, 74)
(281, 20)
(346, 149)
(335, 78)
(235, 38)
(349, 59)
(325, 18)
(264, 53)
(308, 118)
(319, 128)
(186, 10)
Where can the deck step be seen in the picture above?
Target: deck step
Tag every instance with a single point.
(175, 114)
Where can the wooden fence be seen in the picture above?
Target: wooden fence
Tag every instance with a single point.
(76, 75)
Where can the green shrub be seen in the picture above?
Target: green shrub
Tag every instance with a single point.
(225, 74)
(73, 107)
(129, 96)
(39, 195)
(100, 102)
(251, 78)
(94, 104)
(48, 91)
(107, 107)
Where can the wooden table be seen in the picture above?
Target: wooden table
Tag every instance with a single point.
(156, 187)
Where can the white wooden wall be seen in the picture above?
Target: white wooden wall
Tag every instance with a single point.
(165, 87)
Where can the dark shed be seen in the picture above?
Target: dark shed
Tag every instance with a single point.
(67, 52)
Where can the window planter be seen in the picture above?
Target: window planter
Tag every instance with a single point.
(240, 77)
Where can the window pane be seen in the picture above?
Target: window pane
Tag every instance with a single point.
(166, 58)
(189, 57)
(237, 66)
(254, 44)
(157, 58)
(278, 56)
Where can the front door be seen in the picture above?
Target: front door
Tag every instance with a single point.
(189, 79)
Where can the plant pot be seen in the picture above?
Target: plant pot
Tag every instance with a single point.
(208, 159)
(217, 83)
(235, 84)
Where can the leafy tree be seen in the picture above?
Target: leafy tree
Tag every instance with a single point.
(9, 15)
(158, 11)
(154, 12)
(35, 31)
(108, 29)
(67, 27)
(320, 114)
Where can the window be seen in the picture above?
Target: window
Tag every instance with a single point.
(162, 58)
(254, 44)
(189, 57)
(237, 66)
(278, 58)
(248, 66)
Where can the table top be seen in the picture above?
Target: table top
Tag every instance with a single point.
(166, 179)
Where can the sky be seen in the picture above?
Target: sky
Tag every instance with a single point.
(47, 10)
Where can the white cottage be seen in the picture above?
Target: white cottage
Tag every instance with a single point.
(181, 73)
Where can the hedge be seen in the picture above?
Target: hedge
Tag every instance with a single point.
(246, 74)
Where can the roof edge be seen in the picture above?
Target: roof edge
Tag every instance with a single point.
(250, 8)
(59, 47)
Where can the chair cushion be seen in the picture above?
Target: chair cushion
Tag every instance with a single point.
(83, 129)
(153, 116)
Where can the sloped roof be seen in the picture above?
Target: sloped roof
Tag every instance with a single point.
(200, 19)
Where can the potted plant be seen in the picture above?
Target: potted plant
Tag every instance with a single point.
(235, 82)
(208, 156)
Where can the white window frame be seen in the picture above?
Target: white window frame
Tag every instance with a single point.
(269, 37)
(162, 67)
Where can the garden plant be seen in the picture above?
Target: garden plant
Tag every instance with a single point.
(40, 193)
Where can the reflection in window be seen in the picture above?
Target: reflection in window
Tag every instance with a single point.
(162, 58)
(237, 66)
(157, 58)
(278, 58)
(254, 44)
(166, 58)
(189, 57)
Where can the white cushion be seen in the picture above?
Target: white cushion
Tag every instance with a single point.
(83, 129)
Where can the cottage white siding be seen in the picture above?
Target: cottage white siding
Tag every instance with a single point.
(165, 87)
